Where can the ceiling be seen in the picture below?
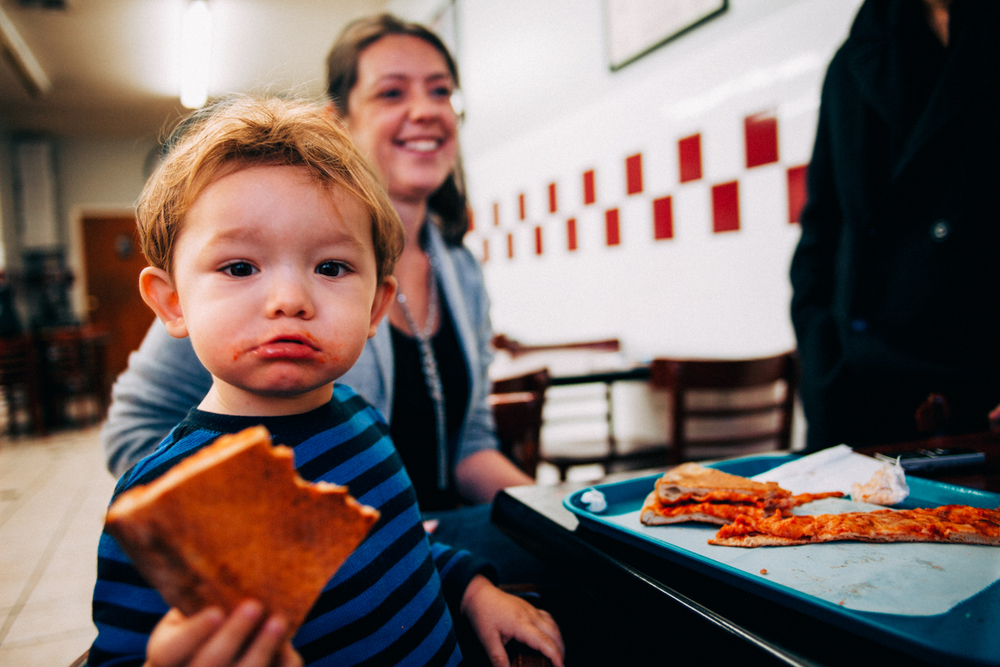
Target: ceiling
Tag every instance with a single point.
(111, 63)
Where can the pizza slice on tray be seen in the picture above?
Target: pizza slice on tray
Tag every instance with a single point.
(948, 523)
(235, 521)
(692, 492)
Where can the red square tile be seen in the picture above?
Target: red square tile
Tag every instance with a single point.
(726, 207)
(571, 234)
(538, 240)
(761, 134)
(510, 246)
(612, 227)
(663, 218)
(553, 206)
(520, 205)
(588, 187)
(633, 174)
(689, 156)
(797, 192)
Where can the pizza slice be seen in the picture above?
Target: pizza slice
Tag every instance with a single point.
(692, 492)
(948, 523)
(235, 521)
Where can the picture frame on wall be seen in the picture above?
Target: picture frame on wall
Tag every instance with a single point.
(636, 27)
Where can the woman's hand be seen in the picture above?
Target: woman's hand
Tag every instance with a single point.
(498, 617)
(209, 639)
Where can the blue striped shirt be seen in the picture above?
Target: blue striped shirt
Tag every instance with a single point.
(389, 602)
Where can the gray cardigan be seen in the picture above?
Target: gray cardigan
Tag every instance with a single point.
(164, 378)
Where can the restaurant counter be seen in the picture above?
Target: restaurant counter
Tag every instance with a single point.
(621, 604)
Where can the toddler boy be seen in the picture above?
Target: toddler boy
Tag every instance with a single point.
(272, 246)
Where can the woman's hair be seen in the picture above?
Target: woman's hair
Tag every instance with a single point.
(243, 131)
(449, 200)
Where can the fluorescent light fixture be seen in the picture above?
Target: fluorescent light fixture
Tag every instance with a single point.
(28, 70)
(196, 52)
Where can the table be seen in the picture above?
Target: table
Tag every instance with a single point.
(622, 605)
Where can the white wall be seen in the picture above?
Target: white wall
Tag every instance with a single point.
(97, 176)
(544, 107)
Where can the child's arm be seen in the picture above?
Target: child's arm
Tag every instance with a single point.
(498, 617)
(209, 639)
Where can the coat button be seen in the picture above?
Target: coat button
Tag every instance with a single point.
(859, 325)
(940, 230)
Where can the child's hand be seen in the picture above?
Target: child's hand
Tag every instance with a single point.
(498, 617)
(210, 639)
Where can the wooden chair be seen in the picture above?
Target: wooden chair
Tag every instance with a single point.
(523, 409)
(19, 382)
(682, 376)
(517, 410)
(516, 348)
(74, 377)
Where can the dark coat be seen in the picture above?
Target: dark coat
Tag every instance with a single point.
(896, 278)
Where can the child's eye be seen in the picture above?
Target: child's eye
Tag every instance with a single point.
(239, 269)
(331, 269)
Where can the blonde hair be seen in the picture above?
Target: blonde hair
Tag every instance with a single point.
(244, 131)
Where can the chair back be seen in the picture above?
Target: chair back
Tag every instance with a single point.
(517, 404)
(516, 348)
(775, 408)
(19, 379)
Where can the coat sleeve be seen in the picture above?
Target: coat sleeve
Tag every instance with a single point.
(814, 266)
(163, 381)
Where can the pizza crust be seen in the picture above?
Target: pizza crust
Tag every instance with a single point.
(235, 521)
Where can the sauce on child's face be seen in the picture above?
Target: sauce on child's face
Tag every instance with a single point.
(276, 278)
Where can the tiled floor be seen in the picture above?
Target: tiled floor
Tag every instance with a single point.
(53, 495)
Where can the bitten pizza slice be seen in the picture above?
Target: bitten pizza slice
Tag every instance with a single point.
(235, 521)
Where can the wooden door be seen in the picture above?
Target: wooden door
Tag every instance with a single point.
(113, 262)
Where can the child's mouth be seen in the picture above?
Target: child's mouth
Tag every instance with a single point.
(287, 348)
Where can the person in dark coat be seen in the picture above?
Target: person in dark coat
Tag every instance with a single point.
(896, 274)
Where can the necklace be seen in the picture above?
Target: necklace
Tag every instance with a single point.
(430, 368)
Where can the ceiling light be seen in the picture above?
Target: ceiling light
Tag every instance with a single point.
(196, 52)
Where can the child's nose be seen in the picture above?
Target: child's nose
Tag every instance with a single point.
(289, 297)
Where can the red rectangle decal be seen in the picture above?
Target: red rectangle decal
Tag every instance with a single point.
(520, 205)
(571, 234)
(612, 227)
(538, 240)
(472, 218)
(726, 207)
(510, 246)
(552, 198)
(797, 192)
(689, 156)
(633, 171)
(588, 187)
(496, 214)
(761, 134)
(486, 250)
(663, 219)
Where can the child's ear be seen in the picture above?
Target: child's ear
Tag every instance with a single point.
(157, 290)
(384, 295)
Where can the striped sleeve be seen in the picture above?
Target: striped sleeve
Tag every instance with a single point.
(456, 568)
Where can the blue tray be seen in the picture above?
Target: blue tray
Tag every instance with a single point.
(933, 600)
